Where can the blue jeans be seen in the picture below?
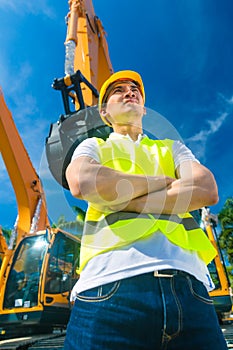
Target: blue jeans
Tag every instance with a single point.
(145, 313)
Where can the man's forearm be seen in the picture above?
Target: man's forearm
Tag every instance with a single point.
(179, 198)
(164, 202)
(105, 186)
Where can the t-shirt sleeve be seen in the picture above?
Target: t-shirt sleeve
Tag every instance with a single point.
(182, 153)
(87, 148)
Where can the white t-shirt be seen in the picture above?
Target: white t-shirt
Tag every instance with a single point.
(143, 256)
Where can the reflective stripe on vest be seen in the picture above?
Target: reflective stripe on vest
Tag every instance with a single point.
(105, 231)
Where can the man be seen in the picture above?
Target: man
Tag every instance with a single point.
(143, 276)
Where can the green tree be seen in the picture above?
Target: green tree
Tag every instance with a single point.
(6, 233)
(226, 236)
(74, 227)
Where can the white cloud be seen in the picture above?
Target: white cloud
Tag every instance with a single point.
(6, 190)
(24, 72)
(20, 73)
(22, 104)
(25, 7)
(27, 117)
(198, 141)
(216, 124)
(228, 102)
(2, 172)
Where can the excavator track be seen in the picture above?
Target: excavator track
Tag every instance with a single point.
(53, 341)
(56, 341)
(228, 334)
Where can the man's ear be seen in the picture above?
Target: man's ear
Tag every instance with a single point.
(105, 115)
(103, 112)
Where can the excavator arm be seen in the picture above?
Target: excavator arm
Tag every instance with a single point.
(87, 66)
(86, 49)
(38, 268)
(32, 213)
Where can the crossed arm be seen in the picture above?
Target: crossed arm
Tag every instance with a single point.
(194, 188)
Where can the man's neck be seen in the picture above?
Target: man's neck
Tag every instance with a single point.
(131, 130)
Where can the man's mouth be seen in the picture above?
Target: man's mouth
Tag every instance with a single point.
(131, 100)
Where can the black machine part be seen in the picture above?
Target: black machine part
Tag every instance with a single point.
(67, 134)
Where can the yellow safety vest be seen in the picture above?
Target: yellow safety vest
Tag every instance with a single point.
(105, 231)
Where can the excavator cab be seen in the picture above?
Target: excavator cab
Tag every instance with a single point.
(23, 281)
(40, 280)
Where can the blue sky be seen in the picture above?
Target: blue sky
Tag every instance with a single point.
(182, 48)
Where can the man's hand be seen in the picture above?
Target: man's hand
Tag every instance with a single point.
(162, 183)
(194, 189)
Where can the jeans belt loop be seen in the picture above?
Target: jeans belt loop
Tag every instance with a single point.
(161, 274)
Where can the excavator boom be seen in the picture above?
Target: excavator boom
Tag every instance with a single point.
(25, 181)
(39, 267)
(87, 66)
(86, 48)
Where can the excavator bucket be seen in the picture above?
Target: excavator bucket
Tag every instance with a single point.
(67, 134)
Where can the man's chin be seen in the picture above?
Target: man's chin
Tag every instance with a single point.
(134, 107)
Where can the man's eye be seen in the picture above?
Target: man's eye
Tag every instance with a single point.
(117, 90)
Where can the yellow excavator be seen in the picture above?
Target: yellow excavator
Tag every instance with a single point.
(36, 272)
(221, 294)
(38, 267)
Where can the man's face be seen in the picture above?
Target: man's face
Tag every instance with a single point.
(124, 103)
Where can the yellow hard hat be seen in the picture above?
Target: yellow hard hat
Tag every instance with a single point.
(121, 75)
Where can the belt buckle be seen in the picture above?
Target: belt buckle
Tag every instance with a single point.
(158, 274)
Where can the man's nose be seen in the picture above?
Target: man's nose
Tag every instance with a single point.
(129, 93)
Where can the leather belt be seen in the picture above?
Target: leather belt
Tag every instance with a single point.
(170, 273)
